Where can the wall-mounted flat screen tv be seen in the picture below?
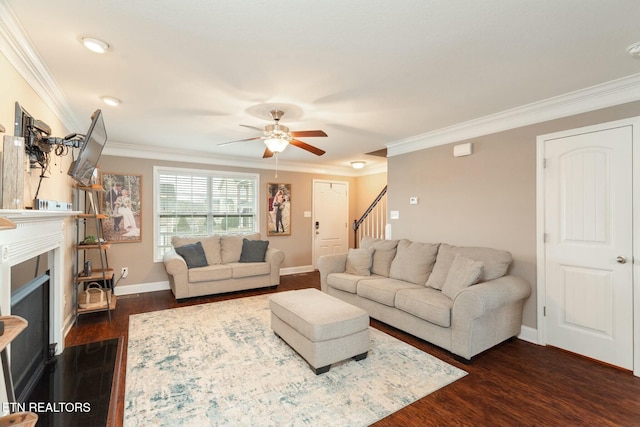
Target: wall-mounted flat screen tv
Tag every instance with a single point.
(83, 167)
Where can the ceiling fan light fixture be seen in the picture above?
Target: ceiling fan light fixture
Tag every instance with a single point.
(358, 164)
(276, 145)
(95, 45)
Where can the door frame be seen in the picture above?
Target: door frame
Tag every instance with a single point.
(540, 227)
(313, 215)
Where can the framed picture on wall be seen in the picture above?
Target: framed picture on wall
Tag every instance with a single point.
(278, 209)
(122, 203)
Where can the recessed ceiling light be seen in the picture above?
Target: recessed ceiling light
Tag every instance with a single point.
(95, 45)
(359, 164)
(634, 50)
(110, 100)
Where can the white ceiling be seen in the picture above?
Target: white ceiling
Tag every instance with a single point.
(368, 72)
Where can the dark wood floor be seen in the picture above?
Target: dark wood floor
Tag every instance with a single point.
(513, 384)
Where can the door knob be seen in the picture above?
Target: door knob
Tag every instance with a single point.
(621, 260)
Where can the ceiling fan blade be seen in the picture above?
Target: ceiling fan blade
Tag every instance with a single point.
(267, 153)
(239, 140)
(305, 146)
(253, 127)
(307, 133)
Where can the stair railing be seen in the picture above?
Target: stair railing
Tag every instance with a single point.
(372, 223)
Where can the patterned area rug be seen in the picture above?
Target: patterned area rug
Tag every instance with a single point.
(220, 364)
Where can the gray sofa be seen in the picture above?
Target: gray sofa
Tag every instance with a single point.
(458, 298)
(226, 268)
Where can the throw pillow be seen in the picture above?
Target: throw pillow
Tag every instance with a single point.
(193, 255)
(496, 262)
(359, 261)
(253, 250)
(463, 273)
(413, 261)
(384, 252)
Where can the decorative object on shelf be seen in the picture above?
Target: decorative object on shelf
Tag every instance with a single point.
(12, 172)
(278, 209)
(87, 268)
(93, 296)
(122, 204)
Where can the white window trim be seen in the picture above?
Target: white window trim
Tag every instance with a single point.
(205, 172)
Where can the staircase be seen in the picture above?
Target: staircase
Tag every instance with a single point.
(373, 222)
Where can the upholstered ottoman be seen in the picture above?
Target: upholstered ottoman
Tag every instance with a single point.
(321, 328)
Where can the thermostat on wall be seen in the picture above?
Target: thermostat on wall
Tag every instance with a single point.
(462, 150)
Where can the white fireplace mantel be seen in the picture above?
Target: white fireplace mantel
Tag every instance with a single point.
(37, 232)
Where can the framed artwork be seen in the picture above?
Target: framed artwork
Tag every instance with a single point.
(122, 203)
(278, 209)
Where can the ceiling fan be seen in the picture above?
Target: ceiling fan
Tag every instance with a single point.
(276, 137)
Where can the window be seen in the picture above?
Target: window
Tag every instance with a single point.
(191, 202)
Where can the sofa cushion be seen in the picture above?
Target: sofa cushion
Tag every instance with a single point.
(413, 261)
(210, 244)
(193, 255)
(359, 261)
(248, 269)
(385, 251)
(345, 281)
(231, 246)
(209, 273)
(496, 262)
(383, 290)
(426, 303)
(464, 272)
(253, 250)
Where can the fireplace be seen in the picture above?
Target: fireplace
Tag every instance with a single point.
(38, 234)
(30, 351)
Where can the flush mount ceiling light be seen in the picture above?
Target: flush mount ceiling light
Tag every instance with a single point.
(95, 45)
(634, 50)
(358, 164)
(110, 100)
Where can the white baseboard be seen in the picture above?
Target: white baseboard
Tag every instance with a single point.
(529, 334)
(296, 270)
(142, 288)
(163, 286)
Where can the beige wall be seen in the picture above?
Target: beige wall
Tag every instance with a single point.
(486, 199)
(297, 247)
(57, 185)
(367, 189)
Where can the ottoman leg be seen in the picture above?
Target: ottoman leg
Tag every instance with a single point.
(361, 356)
(322, 370)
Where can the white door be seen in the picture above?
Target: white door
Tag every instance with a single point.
(589, 243)
(330, 218)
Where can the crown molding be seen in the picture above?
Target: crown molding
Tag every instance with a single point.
(180, 155)
(18, 49)
(615, 92)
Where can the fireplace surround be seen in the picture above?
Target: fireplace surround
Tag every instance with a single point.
(36, 233)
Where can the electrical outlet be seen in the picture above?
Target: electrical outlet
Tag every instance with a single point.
(125, 272)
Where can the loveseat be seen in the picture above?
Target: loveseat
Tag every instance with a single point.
(458, 298)
(215, 264)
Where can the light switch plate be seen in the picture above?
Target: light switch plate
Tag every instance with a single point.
(394, 214)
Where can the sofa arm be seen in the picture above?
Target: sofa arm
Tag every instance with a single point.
(486, 314)
(480, 299)
(275, 257)
(178, 273)
(328, 264)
